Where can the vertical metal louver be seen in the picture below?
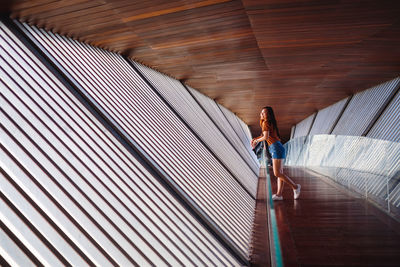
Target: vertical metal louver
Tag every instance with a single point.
(363, 108)
(214, 111)
(303, 127)
(148, 123)
(242, 166)
(71, 192)
(247, 137)
(387, 127)
(247, 133)
(326, 117)
(292, 131)
(235, 124)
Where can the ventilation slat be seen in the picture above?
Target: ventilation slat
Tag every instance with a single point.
(74, 192)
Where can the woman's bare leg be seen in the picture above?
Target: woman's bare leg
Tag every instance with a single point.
(280, 187)
(278, 172)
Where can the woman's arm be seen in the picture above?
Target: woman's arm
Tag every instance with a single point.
(263, 137)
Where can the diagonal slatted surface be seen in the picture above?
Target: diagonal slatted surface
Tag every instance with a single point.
(145, 120)
(72, 191)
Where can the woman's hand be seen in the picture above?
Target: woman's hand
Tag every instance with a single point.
(253, 142)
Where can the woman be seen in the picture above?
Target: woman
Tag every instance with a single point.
(270, 133)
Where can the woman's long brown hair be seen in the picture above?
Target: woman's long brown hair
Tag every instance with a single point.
(271, 119)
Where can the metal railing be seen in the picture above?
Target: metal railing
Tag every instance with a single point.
(367, 166)
(275, 247)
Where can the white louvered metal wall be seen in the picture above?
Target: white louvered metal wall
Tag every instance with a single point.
(214, 111)
(242, 165)
(387, 127)
(236, 126)
(77, 191)
(303, 127)
(246, 131)
(326, 118)
(376, 107)
(292, 131)
(368, 165)
(363, 108)
(145, 119)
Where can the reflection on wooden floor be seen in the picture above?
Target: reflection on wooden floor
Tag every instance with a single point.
(259, 254)
(327, 226)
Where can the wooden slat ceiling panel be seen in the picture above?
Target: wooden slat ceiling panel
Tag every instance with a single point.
(336, 45)
(296, 55)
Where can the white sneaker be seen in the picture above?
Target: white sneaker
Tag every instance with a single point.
(275, 197)
(297, 191)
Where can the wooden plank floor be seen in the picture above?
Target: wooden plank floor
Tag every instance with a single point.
(260, 255)
(327, 226)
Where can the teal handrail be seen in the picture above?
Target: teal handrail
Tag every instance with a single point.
(275, 246)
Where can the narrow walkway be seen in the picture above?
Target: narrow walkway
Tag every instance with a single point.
(329, 227)
(260, 249)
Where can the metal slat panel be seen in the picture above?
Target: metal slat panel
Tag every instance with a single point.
(27, 237)
(139, 113)
(326, 118)
(246, 130)
(55, 243)
(181, 100)
(362, 109)
(74, 194)
(387, 126)
(11, 252)
(80, 167)
(247, 138)
(303, 127)
(292, 131)
(233, 121)
(58, 166)
(213, 110)
(395, 196)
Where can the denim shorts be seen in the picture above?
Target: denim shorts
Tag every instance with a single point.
(277, 150)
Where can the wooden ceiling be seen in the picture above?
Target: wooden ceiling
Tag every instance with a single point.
(297, 56)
